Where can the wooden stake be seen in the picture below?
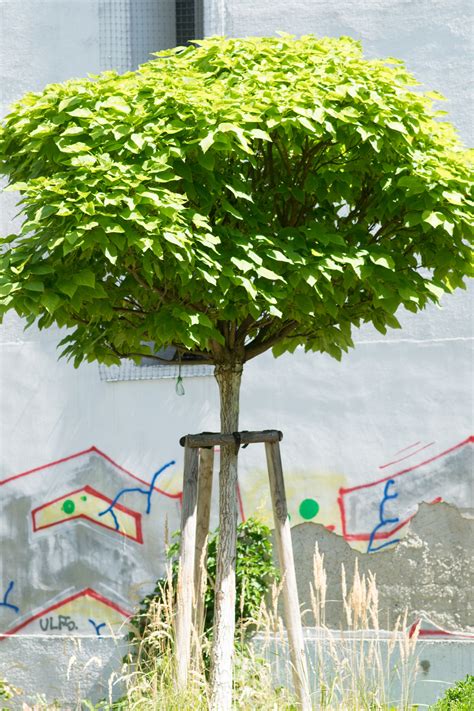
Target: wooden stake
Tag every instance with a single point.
(208, 439)
(206, 466)
(192, 560)
(186, 564)
(287, 567)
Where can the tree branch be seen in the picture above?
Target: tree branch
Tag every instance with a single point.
(256, 347)
(242, 330)
(138, 312)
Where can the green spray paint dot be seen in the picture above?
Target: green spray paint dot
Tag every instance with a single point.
(309, 509)
(69, 506)
(83, 498)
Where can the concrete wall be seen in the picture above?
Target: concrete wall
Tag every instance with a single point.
(365, 441)
(429, 573)
(61, 670)
(435, 666)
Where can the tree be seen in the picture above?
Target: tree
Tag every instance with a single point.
(227, 198)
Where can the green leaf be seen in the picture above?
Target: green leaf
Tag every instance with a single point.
(115, 103)
(67, 287)
(268, 274)
(238, 131)
(273, 311)
(231, 209)
(69, 101)
(51, 301)
(382, 261)
(66, 147)
(280, 257)
(83, 160)
(138, 139)
(45, 211)
(13, 187)
(454, 198)
(258, 133)
(80, 113)
(173, 238)
(437, 291)
(84, 278)
(248, 286)
(242, 264)
(239, 193)
(306, 123)
(415, 184)
(201, 221)
(396, 126)
(33, 285)
(73, 131)
(110, 255)
(435, 219)
(207, 160)
(363, 133)
(206, 142)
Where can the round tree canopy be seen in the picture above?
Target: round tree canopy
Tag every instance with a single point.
(233, 196)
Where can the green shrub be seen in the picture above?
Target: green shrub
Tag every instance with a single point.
(460, 697)
(255, 573)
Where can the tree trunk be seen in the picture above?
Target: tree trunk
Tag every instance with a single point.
(228, 377)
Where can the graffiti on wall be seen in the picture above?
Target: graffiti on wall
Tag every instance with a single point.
(86, 503)
(84, 539)
(310, 497)
(114, 507)
(375, 513)
(81, 544)
(72, 613)
(5, 602)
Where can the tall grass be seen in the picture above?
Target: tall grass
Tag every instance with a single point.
(355, 668)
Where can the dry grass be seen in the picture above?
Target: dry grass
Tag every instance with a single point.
(362, 667)
(356, 668)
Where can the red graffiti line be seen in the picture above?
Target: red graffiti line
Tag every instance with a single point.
(386, 534)
(92, 492)
(396, 461)
(410, 446)
(436, 632)
(87, 592)
(91, 450)
(95, 450)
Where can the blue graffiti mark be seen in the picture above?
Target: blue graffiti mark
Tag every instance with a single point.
(97, 627)
(382, 520)
(146, 492)
(112, 513)
(5, 603)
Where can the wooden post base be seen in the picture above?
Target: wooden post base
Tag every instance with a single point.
(196, 504)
